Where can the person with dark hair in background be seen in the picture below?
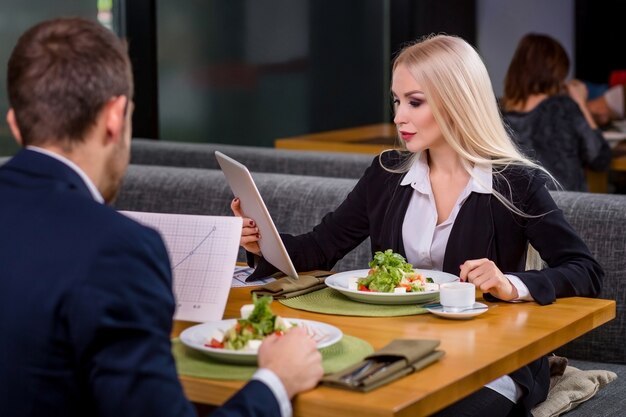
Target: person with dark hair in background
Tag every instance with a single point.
(548, 116)
(86, 300)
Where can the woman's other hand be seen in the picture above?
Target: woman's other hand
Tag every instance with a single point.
(577, 91)
(249, 232)
(484, 274)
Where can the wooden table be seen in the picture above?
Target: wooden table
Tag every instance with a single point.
(478, 351)
(370, 139)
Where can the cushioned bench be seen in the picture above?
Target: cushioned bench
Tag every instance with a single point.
(257, 159)
(295, 202)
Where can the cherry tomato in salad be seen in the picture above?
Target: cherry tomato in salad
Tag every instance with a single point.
(214, 344)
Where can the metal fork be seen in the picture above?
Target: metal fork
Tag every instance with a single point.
(316, 334)
(365, 371)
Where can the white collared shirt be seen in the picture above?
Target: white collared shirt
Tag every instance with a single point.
(90, 185)
(425, 242)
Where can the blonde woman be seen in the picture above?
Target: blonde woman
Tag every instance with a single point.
(461, 199)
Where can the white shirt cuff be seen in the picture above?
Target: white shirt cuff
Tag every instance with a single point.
(522, 290)
(274, 383)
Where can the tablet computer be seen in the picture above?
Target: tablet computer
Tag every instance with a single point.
(243, 187)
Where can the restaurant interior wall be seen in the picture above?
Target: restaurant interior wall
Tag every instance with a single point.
(15, 17)
(254, 71)
(599, 29)
(502, 23)
(248, 72)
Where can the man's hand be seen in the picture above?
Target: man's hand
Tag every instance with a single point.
(294, 358)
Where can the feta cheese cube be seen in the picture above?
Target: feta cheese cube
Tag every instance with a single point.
(218, 335)
(246, 310)
(282, 323)
(399, 290)
(253, 344)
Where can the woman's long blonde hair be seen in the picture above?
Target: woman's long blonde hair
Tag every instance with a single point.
(458, 89)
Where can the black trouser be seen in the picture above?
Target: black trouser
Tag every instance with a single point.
(484, 402)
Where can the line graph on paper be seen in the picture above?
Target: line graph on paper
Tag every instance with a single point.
(203, 252)
(194, 249)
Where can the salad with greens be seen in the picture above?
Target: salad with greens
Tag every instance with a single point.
(249, 332)
(388, 271)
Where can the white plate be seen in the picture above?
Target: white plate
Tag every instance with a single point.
(196, 336)
(341, 281)
(439, 311)
(612, 135)
(619, 125)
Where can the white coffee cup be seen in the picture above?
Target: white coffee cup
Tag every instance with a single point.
(455, 296)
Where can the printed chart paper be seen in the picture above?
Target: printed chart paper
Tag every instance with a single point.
(243, 272)
(203, 252)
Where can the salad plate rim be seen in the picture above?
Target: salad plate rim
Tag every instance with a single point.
(331, 281)
(191, 336)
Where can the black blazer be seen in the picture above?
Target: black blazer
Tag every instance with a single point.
(86, 305)
(484, 228)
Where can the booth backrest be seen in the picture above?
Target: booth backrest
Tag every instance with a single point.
(295, 202)
(256, 158)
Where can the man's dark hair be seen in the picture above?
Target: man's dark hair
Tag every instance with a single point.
(60, 75)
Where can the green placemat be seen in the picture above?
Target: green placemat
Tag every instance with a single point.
(348, 351)
(329, 301)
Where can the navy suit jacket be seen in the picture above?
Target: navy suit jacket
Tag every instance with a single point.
(86, 305)
(484, 228)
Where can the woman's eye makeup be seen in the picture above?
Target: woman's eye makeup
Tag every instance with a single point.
(415, 102)
(412, 101)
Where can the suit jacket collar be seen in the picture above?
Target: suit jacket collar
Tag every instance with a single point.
(36, 164)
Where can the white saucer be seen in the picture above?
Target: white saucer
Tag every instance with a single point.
(438, 311)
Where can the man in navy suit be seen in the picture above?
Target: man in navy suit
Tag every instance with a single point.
(86, 299)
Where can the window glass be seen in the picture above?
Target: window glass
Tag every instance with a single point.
(249, 72)
(16, 16)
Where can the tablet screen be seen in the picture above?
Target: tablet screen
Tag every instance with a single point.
(243, 187)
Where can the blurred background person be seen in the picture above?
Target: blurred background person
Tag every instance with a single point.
(609, 106)
(548, 116)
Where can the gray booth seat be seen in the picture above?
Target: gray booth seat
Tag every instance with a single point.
(256, 158)
(295, 202)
